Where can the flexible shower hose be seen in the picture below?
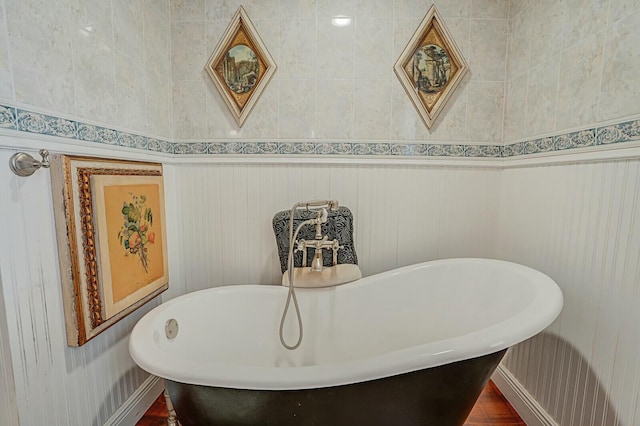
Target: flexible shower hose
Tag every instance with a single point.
(292, 292)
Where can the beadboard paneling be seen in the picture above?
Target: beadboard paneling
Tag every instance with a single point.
(8, 410)
(219, 233)
(402, 215)
(54, 384)
(580, 225)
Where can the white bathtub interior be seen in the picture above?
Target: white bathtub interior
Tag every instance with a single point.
(394, 322)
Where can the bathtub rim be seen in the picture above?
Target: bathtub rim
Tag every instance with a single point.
(542, 310)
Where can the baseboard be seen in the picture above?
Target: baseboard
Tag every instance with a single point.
(134, 408)
(527, 407)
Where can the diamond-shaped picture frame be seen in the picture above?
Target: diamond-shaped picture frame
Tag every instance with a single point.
(240, 66)
(431, 67)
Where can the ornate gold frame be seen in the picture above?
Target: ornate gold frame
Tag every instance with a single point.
(78, 235)
(430, 82)
(240, 92)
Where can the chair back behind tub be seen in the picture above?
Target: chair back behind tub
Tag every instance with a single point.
(339, 226)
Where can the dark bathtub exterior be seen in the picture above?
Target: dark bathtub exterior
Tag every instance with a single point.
(439, 396)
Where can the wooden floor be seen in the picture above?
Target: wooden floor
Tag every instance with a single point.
(156, 415)
(492, 409)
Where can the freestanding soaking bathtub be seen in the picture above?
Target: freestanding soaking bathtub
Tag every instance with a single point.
(412, 346)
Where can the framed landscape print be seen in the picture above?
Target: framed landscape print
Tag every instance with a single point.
(111, 234)
(240, 67)
(431, 67)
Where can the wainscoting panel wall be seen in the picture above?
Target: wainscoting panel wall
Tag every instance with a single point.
(219, 233)
(579, 224)
(8, 410)
(54, 384)
(403, 214)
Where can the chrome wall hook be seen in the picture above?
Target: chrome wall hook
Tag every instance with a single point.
(23, 164)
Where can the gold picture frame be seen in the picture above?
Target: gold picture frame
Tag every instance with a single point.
(111, 233)
(431, 67)
(240, 66)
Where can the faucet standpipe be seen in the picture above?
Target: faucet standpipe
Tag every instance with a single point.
(322, 214)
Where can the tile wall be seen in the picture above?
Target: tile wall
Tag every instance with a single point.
(106, 62)
(338, 84)
(571, 64)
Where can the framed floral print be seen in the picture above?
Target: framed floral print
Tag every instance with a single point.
(431, 67)
(111, 234)
(240, 66)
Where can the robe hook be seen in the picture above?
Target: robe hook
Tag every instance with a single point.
(23, 164)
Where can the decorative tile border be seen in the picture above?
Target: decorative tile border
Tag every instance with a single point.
(32, 122)
(338, 148)
(89, 133)
(7, 117)
(617, 133)
(43, 124)
(628, 131)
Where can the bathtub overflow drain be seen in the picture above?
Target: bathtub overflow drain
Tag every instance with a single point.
(171, 329)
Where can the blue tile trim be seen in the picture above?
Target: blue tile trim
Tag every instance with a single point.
(573, 140)
(492, 151)
(46, 124)
(7, 117)
(446, 151)
(32, 122)
(628, 131)
(90, 133)
(513, 150)
(190, 148)
(341, 148)
(617, 133)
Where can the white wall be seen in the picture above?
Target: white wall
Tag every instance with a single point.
(8, 409)
(219, 230)
(54, 384)
(580, 224)
(574, 65)
(402, 214)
